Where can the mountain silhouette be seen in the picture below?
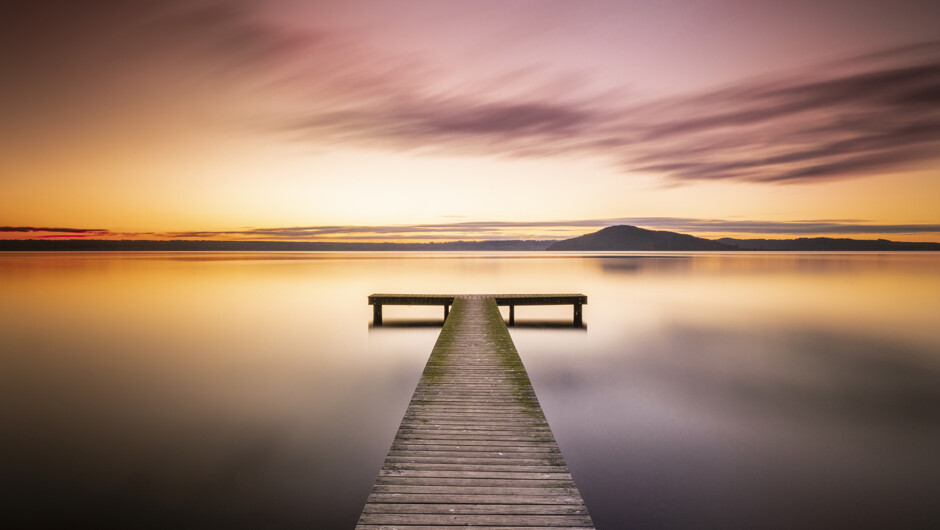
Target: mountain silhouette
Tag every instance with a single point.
(625, 237)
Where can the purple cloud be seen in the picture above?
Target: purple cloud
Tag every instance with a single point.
(864, 115)
(852, 118)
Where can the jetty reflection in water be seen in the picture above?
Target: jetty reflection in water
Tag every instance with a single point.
(246, 389)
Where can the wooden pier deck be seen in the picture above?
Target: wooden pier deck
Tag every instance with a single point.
(474, 448)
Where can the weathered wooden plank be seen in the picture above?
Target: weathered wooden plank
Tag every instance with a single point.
(488, 432)
(506, 459)
(491, 453)
(468, 509)
(475, 474)
(474, 490)
(430, 430)
(540, 299)
(534, 429)
(472, 482)
(448, 419)
(474, 435)
(501, 299)
(424, 498)
(446, 423)
(524, 447)
(474, 448)
(424, 466)
(477, 520)
(438, 527)
(429, 438)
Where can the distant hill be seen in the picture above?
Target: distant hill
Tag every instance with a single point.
(625, 237)
(248, 246)
(826, 243)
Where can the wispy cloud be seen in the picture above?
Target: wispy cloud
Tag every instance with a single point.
(856, 117)
(809, 227)
(55, 230)
(877, 117)
(870, 114)
(324, 85)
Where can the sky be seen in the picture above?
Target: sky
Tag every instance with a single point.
(392, 120)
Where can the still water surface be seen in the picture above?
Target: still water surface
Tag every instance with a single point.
(247, 390)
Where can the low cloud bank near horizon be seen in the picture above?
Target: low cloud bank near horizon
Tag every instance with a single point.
(499, 230)
(62, 232)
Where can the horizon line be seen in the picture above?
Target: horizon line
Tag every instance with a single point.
(492, 231)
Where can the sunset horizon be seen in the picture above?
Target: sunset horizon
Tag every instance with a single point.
(500, 231)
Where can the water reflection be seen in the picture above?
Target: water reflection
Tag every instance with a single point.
(736, 429)
(247, 390)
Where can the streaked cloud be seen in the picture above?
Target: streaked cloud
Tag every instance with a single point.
(324, 85)
(70, 232)
(874, 114)
(810, 227)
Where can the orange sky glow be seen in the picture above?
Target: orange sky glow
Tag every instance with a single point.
(466, 120)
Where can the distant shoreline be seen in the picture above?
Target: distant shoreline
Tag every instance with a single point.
(92, 245)
(85, 245)
(611, 238)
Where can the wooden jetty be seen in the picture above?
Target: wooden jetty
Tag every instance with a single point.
(474, 448)
(447, 300)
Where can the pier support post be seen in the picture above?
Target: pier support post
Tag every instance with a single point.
(577, 315)
(377, 315)
(512, 315)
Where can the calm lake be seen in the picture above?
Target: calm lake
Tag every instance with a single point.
(248, 390)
